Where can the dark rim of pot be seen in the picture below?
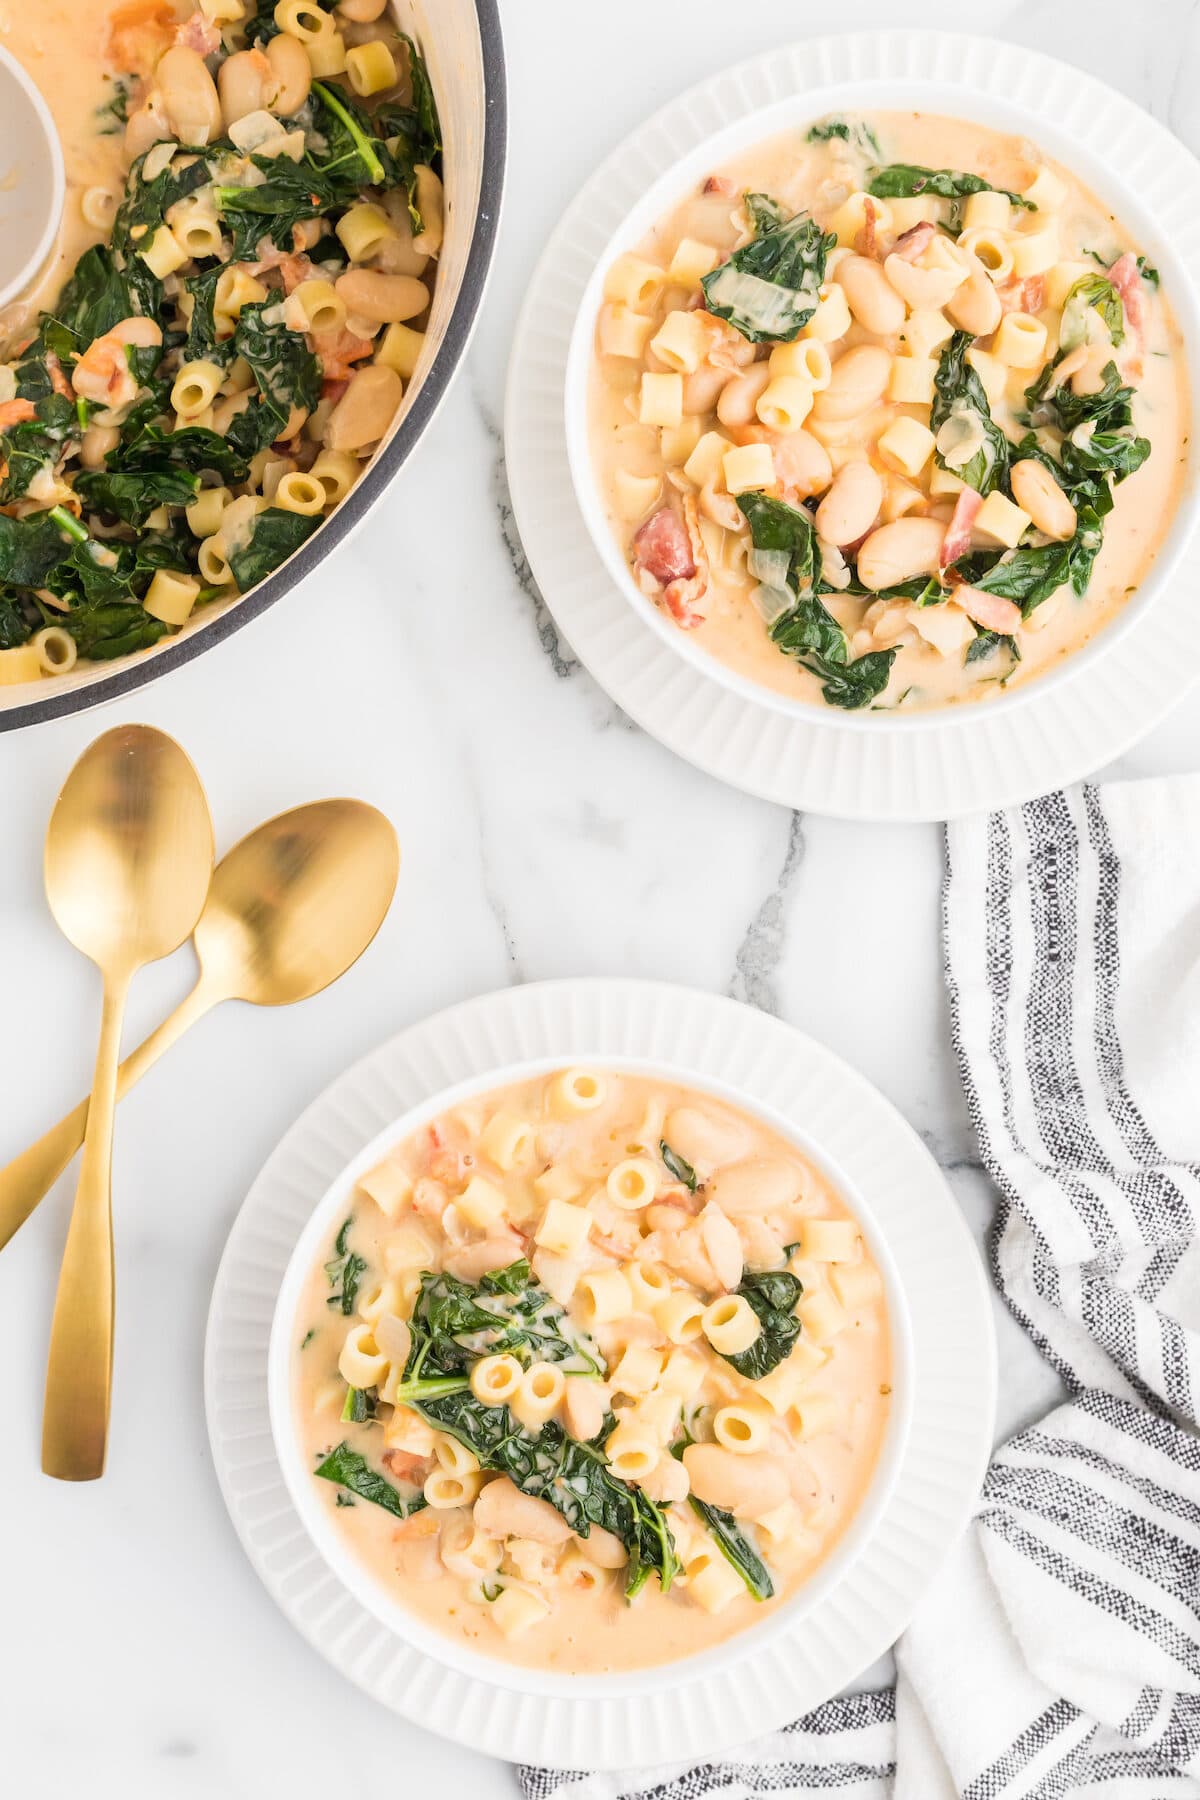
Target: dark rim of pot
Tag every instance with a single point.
(371, 485)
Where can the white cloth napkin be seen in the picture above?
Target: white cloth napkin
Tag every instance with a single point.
(1059, 1651)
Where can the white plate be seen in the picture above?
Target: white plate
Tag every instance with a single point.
(939, 765)
(320, 1522)
(952, 1383)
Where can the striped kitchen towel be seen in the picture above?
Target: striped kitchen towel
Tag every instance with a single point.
(1059, 1651)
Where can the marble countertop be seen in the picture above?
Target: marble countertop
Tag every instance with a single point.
(543, 835)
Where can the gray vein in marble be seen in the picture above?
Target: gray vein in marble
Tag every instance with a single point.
(761, 950)
(560, 660)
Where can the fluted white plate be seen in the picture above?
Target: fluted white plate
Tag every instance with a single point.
(918, 766)
(953, 1369)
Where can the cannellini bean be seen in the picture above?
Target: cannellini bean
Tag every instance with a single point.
(1037, 493)
(189, 96)
(859, 378)
(292, 71)
(705, 1139)
(97, 442)
(226, 410)
(602, 1547)
(724, 511)
(397, 254)
(1089, 379)
(246, 83)
(723, 1245)
(734, 1482)
(899, 551)
(758, 1186)
(802, 464)
(975, 307)
(366, 409)
(739, 397)
(584, 1406)
(474, 1261)
(147, 125)
(382, 299)
(852, 504)
(702, 388)
(870, 295)
(925, 290)
(502, 1510)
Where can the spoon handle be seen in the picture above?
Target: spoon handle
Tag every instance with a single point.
(29, 1177)
(79, 1371)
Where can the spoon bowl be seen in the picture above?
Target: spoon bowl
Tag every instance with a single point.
(296, 902)
(129, 850)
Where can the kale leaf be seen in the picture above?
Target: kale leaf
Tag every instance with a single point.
(453, 1325)
(681, 1170)
(274, 535)
(345, 1271)
(769, 289)
(132, 498)
(773, 1296)
(1092, 307)
(350, 1470)
(959, 395)
(807, 630)
(907, 181)
(857, 133)
(507, 1312)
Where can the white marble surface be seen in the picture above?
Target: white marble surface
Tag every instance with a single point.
(543, 835)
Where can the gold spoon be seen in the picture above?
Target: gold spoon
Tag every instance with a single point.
(129, 854)
(291, 908)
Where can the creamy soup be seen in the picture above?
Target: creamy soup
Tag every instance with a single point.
(888, 413)
(236, 301)
(594, 1373)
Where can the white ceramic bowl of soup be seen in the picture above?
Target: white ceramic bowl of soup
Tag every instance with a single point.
(463, 49)
(795, 113)
(304, 1489)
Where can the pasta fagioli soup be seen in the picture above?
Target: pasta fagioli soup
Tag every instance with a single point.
(236, 305)
(594, 1372)
(890, 412)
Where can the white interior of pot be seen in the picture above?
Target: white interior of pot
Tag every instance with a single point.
(448, 35)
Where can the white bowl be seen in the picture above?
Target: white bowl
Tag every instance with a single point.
(32, 196)
(907, 92)
(353, 1574)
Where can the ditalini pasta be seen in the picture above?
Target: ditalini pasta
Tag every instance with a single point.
(236, 305)
(889, 413)
(594, 1370)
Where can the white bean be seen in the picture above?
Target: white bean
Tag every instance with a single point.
(189, 96)
(366, 409)
(502, 1510)
(758, 1186)
(870, 295)
(383, 299)
(734, 1482)
(851, 506)
(1037, 493)
(859, 378)
(740, 397)
(897, 552)
(976, 305)
(702, 388)
(293, 74)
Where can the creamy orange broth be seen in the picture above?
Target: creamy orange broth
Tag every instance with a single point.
(528, 1171)
(65, 45)
(639, 466)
